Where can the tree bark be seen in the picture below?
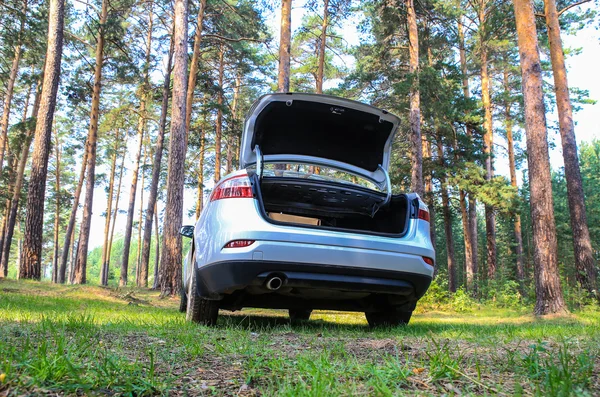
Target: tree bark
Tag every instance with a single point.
(471, 230)
(469, 214)
(138, 258)
(157, 250)
(488, 142)
(153, 193)
(219, 123)
(170, 263)
(114, 219)
(513, 182)
(426, 150)
(10, 86)
(57, 209)
(416, 184)
(285, 44)
(194, 65)
(109, 200)
(30, 266)
(13, 203)
(549, 297)
(582, 245)
(141, 127)
(322, 45)
(452, 275)
(69, 235)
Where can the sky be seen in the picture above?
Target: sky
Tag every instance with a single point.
(582, 73)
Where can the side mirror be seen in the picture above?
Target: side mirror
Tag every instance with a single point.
(187, 231)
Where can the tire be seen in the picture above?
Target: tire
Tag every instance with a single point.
(182, 301)
(389, 318)
(299, 314)
(200, 310)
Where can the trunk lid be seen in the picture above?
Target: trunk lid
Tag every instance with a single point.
(320, 130)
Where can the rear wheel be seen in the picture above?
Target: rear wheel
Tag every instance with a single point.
(388, 318)
(200, 310)
(299, 314)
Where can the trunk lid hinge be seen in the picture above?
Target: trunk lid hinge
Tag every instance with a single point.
(388, 197)
(259, 162)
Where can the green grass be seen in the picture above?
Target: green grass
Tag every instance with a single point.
(74, 340)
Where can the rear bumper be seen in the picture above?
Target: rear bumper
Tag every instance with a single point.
(218, 279)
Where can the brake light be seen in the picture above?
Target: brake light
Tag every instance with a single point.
(429, 261)
(235, 187)
(423, 214)
(239, 243)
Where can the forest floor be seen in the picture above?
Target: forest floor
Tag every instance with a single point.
(85, 340)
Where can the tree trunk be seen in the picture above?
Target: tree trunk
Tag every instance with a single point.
(428, 197)
(157, 250)
(414, 116)
(109, 200)
(452, 277)
(84, 232)
(138, 258)
(549, 297)
(200, 177)
(69, 235)
(170, 263)
(57, 209)
(153, 193)
(513, 182)
(32, 247)
(219, 123)
(4, 269)
(194, 66)
(141, 127)
(17, 187)
(488, 142)
(10, 86)
(114, 220)
(285, 44)
(322, 45)
(582, 246)
(469, 214)
(232, 134)
(73, 257)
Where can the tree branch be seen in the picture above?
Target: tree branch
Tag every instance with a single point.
(572, 5)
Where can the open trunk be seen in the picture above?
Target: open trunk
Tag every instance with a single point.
(331, 205)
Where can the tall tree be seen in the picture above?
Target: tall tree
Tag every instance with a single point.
(582, 245)
(285, 43)
(469, 216)
(508, 119)
(56, 244)
(452, 271)
(219, 122)
(109, 202)
(170, 262)
(322, 45)
(414, 114)
(488, 138)
(549, 298)
(144, 98)
(30, 265)
(194, 65)
(12, 78)
(80, 268)
(158, 153)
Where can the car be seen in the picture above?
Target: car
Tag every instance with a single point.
(310, 220)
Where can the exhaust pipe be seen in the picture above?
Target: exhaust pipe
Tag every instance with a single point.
(274, 283)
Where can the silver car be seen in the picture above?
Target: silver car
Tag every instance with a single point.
(310, 221)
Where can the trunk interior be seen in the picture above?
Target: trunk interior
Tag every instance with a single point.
(330, 205)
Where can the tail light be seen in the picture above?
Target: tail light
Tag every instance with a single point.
(239, 243)
(429, 261)
(235, 187)
(423, 212)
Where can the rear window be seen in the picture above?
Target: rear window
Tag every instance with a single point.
(306, 171)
